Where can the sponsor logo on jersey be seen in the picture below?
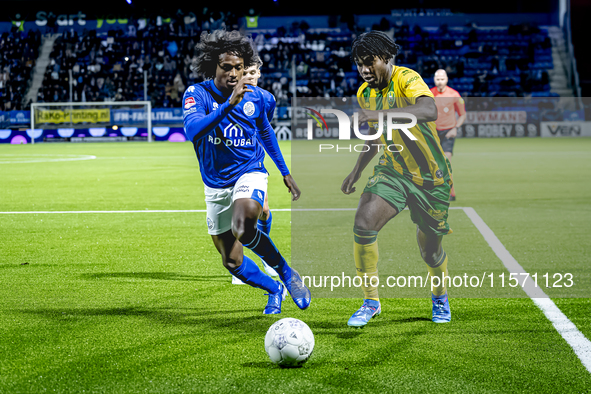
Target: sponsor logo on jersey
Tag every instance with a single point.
(405, 72)
(437, 214)
(233, 130)
(242, 189)
(248, 108)
(412, 80)
(228, 142)
(189, 111)
(189, 102)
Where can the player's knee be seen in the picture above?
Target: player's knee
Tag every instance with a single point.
(231, 263)
(362, 223)
(244, 229)
(429, 257)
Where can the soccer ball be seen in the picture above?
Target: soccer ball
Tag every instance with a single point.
(289, 342)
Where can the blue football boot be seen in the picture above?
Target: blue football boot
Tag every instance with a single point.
(274, 304)
(441, 312)
(368, 310)
(297, 290)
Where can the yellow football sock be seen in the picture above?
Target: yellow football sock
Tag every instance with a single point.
(366, 261)
(440, 271)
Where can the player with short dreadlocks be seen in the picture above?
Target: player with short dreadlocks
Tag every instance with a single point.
(225, 118)
(411, 172)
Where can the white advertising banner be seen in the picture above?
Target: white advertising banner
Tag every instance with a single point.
(565, 129)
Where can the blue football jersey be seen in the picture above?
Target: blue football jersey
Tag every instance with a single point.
(225, 138)
(270, 104)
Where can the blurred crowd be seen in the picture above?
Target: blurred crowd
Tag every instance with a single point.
(113, 66)
(19, 53)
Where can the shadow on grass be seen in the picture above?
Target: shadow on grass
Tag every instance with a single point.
(261, 365)
(158, 276)
(26, 264)
(410, 320)
(235, 320)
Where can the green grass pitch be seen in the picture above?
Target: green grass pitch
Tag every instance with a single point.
(139, 302)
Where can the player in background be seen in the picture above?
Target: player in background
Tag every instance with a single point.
(266, 219)
(416, 174)
(448, 102)
(222, 118)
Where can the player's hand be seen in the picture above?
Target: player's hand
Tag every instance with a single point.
(239, 90)
(452, 133)
(365, 116)
(347, 186)
(292, 187)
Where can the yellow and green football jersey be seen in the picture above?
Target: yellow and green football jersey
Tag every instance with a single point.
(421, 161)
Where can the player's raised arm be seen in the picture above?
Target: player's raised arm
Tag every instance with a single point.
(424, 109)
(241, 88)
(197, 122)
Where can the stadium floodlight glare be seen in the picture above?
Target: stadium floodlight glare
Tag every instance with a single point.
(101, 114)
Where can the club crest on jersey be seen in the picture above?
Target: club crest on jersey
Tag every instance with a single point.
(189, 102)
(215, 105)
(248, 108)
(391, 99)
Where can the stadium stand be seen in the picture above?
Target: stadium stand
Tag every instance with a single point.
(19, 53)
(508, 61)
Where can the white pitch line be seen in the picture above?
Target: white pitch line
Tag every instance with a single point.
(182, 211)
(566, 328)
(40, 158)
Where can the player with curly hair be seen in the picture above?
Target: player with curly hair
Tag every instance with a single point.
(416, 174)
(225, 118)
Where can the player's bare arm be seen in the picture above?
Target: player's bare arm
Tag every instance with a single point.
(424, 109)
(362, 161)
(292, 187)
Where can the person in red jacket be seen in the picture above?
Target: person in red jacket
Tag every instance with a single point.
(448, 102)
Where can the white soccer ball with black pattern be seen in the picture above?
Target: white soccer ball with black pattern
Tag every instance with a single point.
(289, 342)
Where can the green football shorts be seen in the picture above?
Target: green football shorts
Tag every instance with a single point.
(428, 206)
